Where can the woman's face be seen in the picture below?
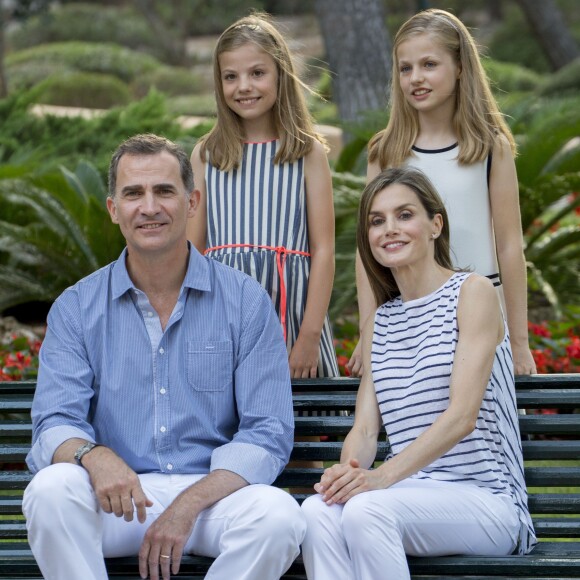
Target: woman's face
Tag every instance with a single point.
(400, 231)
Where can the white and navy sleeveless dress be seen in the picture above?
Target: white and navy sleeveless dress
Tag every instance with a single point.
(258, 212)
(414, 343)
(465, 192)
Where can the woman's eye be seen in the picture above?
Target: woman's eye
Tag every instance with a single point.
(430, 64)
(376, 221)
(258, 73)
(405, 68)
(406, 215)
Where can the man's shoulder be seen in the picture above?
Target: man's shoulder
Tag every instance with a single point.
(226, 275)
(90, 283)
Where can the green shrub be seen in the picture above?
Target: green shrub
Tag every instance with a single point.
(514, 42)
(52, 141)
(566, 81)
(28, 74)
(81, 89)
(172, 81)
(109, 59)
(88, 23)
(193, 105)
(509, 77)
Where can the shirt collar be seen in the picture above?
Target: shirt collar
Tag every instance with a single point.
(196, 277)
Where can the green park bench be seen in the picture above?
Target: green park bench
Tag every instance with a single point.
(551, 446)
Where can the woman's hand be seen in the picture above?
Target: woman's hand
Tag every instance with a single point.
(345, 480)
(355, 364)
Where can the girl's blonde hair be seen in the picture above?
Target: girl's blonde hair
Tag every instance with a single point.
(382, 281)
(292, 121)
(477, 120)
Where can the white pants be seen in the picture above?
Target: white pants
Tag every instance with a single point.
(254, 533)
(368, 537)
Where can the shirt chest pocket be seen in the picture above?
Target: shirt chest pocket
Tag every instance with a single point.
(209, 364)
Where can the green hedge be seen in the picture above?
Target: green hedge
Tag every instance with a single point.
(121, 25)
(509, 77)
(109, 59)
(81, 89)
(564, 82)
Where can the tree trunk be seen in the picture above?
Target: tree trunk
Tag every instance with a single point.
(358, 50)
(548, 25)
(170, 36)
(3, 79)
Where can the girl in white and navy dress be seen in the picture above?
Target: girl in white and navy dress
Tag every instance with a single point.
(439, 378)
(445, 121)
(266, 190)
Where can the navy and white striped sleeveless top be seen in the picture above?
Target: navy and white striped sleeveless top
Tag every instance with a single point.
(414, 343)
(264, 204)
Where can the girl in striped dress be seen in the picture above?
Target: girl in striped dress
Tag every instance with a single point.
(439, 377)
(266, 190)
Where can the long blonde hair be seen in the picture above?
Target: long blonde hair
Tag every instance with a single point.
(292, 120)
(381, 279)
(477, 120)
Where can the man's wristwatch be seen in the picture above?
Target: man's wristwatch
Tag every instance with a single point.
(83, 450)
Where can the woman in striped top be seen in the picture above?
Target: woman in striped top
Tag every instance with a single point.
(266, 191)
(440, 380)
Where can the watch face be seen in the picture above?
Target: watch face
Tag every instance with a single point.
(83, 450)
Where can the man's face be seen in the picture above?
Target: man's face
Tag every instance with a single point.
(150, 203)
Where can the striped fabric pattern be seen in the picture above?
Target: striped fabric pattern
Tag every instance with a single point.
(414, 343)
(264, 204)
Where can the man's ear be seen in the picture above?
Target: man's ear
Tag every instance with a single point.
(193, 202)
(112, 210)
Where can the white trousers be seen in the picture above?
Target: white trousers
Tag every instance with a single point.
(368, 537)
(254, 533)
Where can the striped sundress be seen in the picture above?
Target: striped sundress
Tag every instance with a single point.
(256, 223)
(414, 343)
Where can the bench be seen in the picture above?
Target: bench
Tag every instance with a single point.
(551, 445)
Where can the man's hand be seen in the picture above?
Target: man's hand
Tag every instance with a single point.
(116, 485)
(344, 480)
(165, 539)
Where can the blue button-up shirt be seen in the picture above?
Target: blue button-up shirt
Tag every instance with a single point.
(212, 391)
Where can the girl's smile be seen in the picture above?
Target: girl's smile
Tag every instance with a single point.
(249, 82)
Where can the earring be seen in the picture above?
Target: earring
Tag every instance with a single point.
(433, 236)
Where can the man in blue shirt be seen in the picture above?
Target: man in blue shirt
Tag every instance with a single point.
(163, 409)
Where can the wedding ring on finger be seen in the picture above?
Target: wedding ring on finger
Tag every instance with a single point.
(164, 556)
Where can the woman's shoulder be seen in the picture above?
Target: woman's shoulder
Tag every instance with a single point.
(477, 294)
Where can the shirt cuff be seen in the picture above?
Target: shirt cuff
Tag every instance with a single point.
(251, 462)
(48, 442)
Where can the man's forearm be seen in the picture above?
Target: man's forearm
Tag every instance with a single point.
(209, 490)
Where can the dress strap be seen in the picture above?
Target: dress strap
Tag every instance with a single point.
(281, 254)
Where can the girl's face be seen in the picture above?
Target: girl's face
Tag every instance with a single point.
(249, 81)
(428, 73)
(399, 228)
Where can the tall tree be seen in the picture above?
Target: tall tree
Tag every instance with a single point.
(550, 29)
(169, 22)
(358, 50)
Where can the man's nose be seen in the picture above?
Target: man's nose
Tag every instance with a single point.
(149, 203)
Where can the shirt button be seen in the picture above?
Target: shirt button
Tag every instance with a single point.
(150, 314)
(163, 429)
(169, 466)
(162, 391)
(161, 351)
